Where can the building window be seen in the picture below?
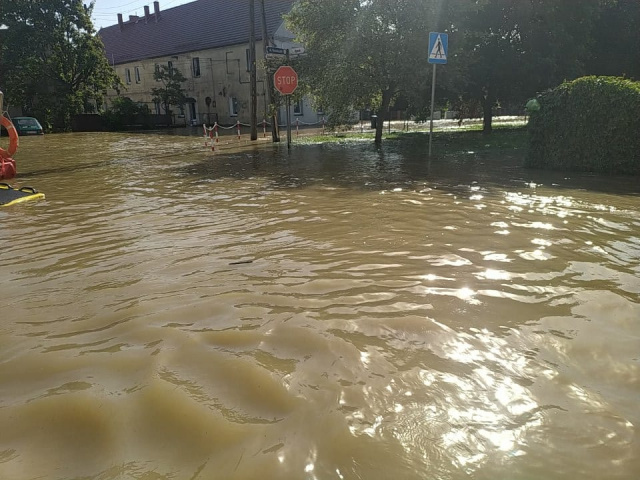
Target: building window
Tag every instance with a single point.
(196, 66)
(157, 106)
(170, 66)
(248, 55)
(137, 74)
(127, 75)
(233, 106)
(297, 108)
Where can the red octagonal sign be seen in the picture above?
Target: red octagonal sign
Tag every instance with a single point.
(285, 80)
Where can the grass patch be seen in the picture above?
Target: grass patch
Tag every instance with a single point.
(502, 138)
(335, 138)
(464, 139)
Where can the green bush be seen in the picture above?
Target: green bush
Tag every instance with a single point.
(125, 112)
(590, 124)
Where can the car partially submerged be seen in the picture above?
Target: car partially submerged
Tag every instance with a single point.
(27, 126)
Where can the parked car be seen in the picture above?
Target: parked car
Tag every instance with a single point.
(27, 126)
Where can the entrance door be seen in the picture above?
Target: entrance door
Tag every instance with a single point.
(192, 113)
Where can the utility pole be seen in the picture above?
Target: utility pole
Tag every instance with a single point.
(275, 135)
(252, 57)
(288, 109)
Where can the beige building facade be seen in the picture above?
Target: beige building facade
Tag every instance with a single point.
(212, 53)
(217, 84)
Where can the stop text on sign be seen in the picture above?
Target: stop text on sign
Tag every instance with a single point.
(285, 80)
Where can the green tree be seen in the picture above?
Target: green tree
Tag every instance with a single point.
(125, 111)
(616, 40)
(512, 49)
(363, 54)
(171, 92)
(52, 63)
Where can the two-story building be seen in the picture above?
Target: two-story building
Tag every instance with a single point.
(208, 42)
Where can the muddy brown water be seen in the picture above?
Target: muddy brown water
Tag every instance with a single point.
(333, 312)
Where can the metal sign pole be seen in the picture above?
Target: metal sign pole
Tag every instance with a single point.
(433, 99)
(438, 50)
(288, 111)
(289, 122)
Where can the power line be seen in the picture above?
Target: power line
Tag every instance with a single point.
(171, 2)
(136, 9)
(116, 7)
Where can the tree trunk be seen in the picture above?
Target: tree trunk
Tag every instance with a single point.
(168, 114)
(384, 108)
(487, 108)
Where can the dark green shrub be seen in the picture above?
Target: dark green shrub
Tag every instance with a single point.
(590, 124)
(125, 112)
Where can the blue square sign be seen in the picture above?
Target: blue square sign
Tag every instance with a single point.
(438, 47)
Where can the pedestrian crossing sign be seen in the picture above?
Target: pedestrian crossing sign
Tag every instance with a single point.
(438, 47)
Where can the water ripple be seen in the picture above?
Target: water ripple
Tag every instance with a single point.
(333, 312)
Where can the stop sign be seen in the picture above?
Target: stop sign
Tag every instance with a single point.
(285, 80)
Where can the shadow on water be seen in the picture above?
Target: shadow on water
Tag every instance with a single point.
(68, 169)
(362, 165)
(460, 159)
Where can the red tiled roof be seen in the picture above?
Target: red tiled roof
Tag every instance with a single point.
(198, 25)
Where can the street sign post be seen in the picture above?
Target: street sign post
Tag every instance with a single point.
(276, 51)
(286, 81)
(438, 48)
(438, 51)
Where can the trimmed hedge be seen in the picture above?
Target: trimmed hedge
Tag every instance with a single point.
(590, 124)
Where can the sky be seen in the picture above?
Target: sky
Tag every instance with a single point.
(105, 12)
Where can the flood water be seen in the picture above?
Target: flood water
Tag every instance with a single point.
(336, 312)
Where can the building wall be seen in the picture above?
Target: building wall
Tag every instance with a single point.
(224, 79)
(223, 76)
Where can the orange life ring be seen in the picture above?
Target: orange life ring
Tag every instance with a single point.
(13, 138)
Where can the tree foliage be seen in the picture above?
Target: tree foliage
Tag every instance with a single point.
(512, 49)
(171, 92)
(501, 52)
(51, 62)
(616, 40)
(362, 54)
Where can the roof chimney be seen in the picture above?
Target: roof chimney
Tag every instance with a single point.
(133, 18)
(120, 21)
(146, 13)
(156, 10)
